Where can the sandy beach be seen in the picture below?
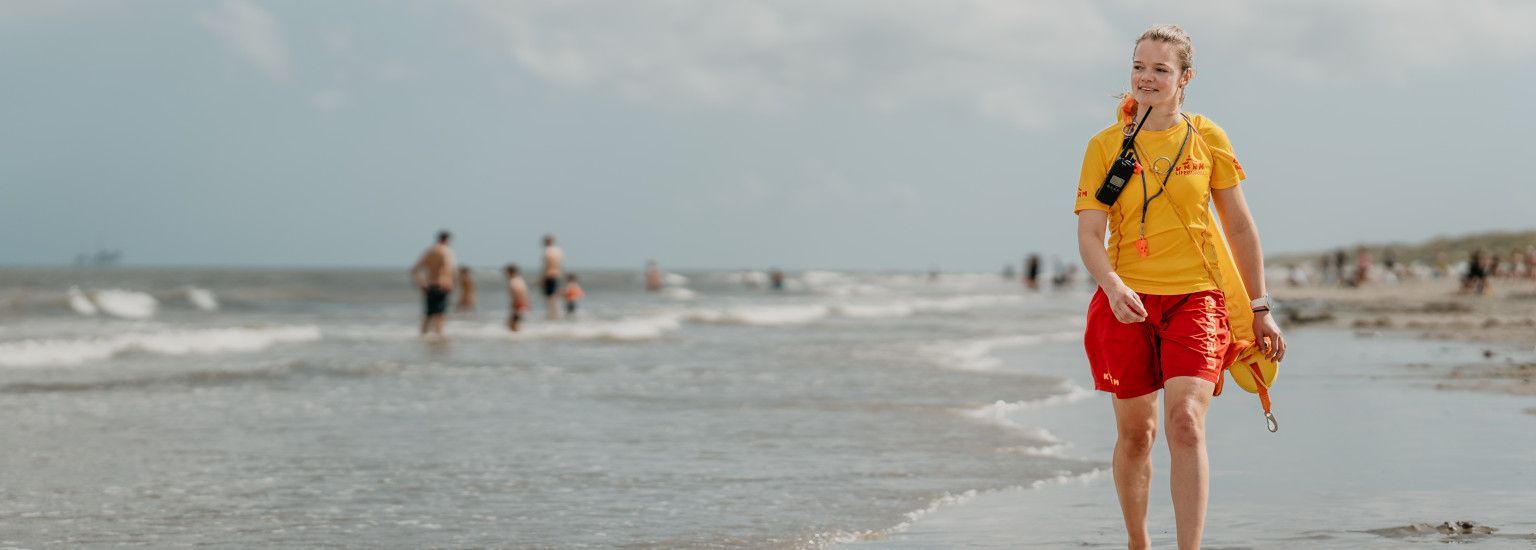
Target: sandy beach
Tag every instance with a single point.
(1434, 309)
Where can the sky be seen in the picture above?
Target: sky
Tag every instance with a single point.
(803, 134)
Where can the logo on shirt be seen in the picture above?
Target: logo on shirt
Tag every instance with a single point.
(1191, 165)
(1081, 193)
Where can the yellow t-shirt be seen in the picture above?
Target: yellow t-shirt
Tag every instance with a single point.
(1175, 263)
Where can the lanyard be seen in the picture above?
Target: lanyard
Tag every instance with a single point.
(1141, 242)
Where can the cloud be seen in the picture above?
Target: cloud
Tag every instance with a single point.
(1323, 41)
(1005, 59)
(994, 57)
(253, 33)
(330, 100)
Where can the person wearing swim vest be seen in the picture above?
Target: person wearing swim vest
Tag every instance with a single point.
(1160, 319)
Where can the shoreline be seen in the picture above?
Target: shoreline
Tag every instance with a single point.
(1502, 322)
(1398, 459)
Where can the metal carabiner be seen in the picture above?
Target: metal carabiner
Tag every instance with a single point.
(1269, 419)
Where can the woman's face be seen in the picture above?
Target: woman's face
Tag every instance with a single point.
(1155, 75)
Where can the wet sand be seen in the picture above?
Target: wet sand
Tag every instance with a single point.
(1502, 321)
(1371, 453)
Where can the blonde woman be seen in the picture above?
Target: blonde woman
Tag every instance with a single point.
(1159, 319)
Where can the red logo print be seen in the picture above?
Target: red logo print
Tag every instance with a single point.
(1081, 193)
(1191, 165)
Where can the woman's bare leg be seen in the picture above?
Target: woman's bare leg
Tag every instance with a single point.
(1136, 420)
(1185, 402)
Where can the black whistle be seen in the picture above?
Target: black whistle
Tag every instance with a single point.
(1121, 169)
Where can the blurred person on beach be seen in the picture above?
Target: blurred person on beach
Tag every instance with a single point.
(466, 290)
(572, 294)
(1340, 257)
(517, 289)
(1476, 280)
(434, 274)
(776, 279)
(1362, 266)
(1032, 272)
(652, 276)
(1530, 262)
(554, 262)
(1158, 319)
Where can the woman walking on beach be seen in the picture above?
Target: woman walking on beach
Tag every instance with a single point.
(1159, 318)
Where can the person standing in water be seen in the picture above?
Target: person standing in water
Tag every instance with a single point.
(554, 262)
(1158, 320)
(652, 276)
(572, 294)
(466, 289)
(517, 289)
(433, 274)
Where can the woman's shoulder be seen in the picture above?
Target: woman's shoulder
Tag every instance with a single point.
(1110, 135)
(1213, 134)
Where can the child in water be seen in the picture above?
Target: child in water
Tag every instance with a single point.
(517, 288)
(573, 294)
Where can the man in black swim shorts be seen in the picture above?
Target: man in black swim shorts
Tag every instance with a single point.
(434, 274)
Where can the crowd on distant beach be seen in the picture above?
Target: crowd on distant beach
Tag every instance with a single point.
(1474, 274)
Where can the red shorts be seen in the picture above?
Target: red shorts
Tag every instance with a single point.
(1184, 335)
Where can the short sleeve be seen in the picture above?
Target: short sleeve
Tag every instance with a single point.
(1095, 166)
(1225, 170)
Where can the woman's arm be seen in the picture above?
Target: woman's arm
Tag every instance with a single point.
(1243, 237)
(1123, 301)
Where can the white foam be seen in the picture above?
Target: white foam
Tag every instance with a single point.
(976, 355)
(623, 329)
(643, 328)
(80, 303)
(761, 315)
(127, 304)
(202, 298)
(999, 413)
(947, 500)
(867, 311)
(38, 353)
(673, 279)
(679, 293)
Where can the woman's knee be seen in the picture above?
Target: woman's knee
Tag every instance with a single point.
(1186, 427)
(1138, 439)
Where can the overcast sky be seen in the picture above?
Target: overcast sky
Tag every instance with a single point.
(718, 133)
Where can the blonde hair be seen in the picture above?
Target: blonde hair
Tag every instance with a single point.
(1171, 34)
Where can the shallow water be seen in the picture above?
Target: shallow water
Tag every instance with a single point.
(301, 409)
(1367, 448)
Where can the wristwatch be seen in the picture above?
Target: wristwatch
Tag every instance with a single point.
(1260, 304)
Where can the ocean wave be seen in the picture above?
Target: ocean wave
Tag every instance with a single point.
(679, 293)
(202, 298)
(49, 352)
(825, 540)
(1042, 441)
(621, 330)
(203, 378)
(127, 304)
(976, 355)
(81, 303)
(761, 315)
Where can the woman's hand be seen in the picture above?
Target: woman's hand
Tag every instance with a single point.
(1271, 342)
(1127, 305)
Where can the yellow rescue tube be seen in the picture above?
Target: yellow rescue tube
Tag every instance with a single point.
(1245, 359)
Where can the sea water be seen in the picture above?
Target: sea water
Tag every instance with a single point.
(271, 407)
